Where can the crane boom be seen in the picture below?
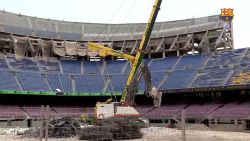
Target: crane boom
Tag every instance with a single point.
(104, 51)
(139, 55)
(136, 60)
(105, 110)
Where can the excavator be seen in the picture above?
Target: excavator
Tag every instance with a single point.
(124, 108)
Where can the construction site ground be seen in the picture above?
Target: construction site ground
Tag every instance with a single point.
(158, 134)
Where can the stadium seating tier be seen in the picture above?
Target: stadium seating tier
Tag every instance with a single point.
(71, 75)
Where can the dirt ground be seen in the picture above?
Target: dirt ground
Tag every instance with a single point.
(159, 134)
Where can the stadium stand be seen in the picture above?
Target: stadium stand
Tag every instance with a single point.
(32, 81)
(8, 81)
(92, 67)
(176, 74)
(114, 67)
(47, 66)
(179, 79)
(190, 61)
(66, 82)
(23, 65)
(89, 83)
(69, 111)
(70, 66)
(165, 111)
(7, 112)
(216, 111)
(3, 64)
(35, 112)
(201, 110)
(233, 111)
(165, 64)
(117, 82)
(54, 81)
(211, 77)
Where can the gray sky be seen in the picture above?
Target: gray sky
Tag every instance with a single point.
(133, 11)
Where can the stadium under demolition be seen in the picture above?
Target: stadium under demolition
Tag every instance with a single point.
(55, 77)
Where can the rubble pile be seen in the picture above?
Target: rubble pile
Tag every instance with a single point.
(58, 128)
(112, 129)
(65, 127)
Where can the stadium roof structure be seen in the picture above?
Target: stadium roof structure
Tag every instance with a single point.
(179, 37)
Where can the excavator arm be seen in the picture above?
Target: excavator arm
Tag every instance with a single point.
(140, 52)
(150, 90)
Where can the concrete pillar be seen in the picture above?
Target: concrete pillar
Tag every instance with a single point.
(178, 53)
(232, 34)
(193, 52)
(41, 123)
(47, 113)
(183, 126)
(163, 54)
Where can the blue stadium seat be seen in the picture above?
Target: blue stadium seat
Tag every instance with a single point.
(32, 81)
(117, 82)
(191, 61)
(90, 83)
(46, 66)
(179, 79)
(25, 64)
(165, 64)
(211, 78)
(66, 82)
(54, 81)
(114, 67)
(214, 74)
(157, 77)
(3, 64)
(7, 81)
(71, 66)
(226, 58)
(127, 67)
(92, 67)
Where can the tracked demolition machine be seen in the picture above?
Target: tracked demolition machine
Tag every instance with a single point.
(139, 69)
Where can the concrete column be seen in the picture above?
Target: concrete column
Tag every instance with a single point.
(183, 126)
(56, 27)
(47, 113)
(232, 34)
(41, 123)
(29, 22)
(193, 51)
(164, 54)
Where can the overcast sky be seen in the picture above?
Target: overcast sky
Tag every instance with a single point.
(133, 11)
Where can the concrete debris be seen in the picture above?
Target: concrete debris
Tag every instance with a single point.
(112, 129)
(12, 131)
(58, 128)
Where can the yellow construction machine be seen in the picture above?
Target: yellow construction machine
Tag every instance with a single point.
(124, 107)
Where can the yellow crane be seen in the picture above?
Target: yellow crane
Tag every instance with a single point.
(135, 63)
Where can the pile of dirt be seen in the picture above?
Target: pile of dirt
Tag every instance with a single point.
(112, 129)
